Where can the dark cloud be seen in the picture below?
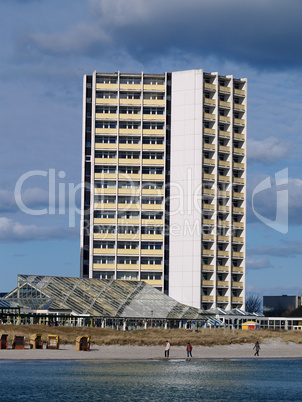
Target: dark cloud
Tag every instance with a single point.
(266, 34)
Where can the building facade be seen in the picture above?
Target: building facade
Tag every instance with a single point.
(164, 159)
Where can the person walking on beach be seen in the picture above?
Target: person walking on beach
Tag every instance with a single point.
(257, 348)
(167, 349)
(189, 349)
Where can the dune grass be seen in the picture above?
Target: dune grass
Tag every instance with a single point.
(177, 337)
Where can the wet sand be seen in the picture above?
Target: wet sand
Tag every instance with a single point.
(270, 349)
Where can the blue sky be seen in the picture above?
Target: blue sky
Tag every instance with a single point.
(47, 47)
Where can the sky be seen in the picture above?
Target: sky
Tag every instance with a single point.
(47, 47)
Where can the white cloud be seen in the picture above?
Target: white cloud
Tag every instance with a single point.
(257, 263)
(268, 150)
(11, 231)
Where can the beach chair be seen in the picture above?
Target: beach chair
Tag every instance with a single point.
(4, 341)
(53, 342)
(83, 343)
(18, 342)
(36, 342)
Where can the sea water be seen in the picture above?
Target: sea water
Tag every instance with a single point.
(173, 380)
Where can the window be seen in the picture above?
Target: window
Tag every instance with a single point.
(151, 260)
(151, 276)
(130, 95)
(103, 229)
(103, 199)
(105, 124)
(103, 260)
(128, 184)
(153, 110)
(105, 80)
(104, 215)
(129, 125)
(153, 155)
(129, 140)
(107, 95)
(129, 245)
(153, 126)
(105, 154)
(151, 246)
(105, 140)
(154, 95)
(153, 140)
(128, 200)
(128, 169)
(130, 110)
(152, 170)
(128, 155)
(104, 184)
(105, 109)
(152, 230)
(104, 169)
(103, 244)
(127, 260)
(150, 200)
(130, 80)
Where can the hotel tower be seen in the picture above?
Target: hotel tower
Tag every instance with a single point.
(164, 183)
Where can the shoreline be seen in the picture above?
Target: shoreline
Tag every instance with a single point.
(270, 349)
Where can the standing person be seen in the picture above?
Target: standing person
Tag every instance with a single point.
(257, 348)
(167, 349)
(189, 349)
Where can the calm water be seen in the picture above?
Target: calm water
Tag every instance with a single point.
(151, 381)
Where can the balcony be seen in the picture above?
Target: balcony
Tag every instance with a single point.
(222, 193)
(207, 283)
(225, 119)
(152, 267)
(223, 253)
(238, 239)
(207, 161)
(224, 178)
(105, 161)
(153, 147)
(238, 195)
(127, 251)
(154, 102)
(207, 252)
(239, 136)
(207, 298)
(237, 299)
(224, 89)
(127, 267)
(130, 131)
(105, 146)
(208, 206)
(128, 236)
(129, 191)
(127, 207)
(104, 221)
(224, 163)
(223, 223)
(209, 131)
(208, 146)
(130, 116)
(238, 180)
(152, 177)
(104, 236)
(238, 106)
(129, 176)
(224, 208)
(237, 285)
(223, 148)
(238, 254)
(103, 251)
(106, 101)
(105, 130)
(222, 133)
(152, 222)
(153, 282)
(126, 87)
(237, 269)
(209, 86)
(224, 104)
(206, 268)
(153, 131)
(238, 210)
(130, 146)
(239, 121)
(106, 86)
(106, 116)
(237, 165)
(158, 253)
(103, 205)
(104, 190)
(223, 238)
(208, 222)
(152, 207)
(103, 266)
(222, 299)
(208, 101)
(105, 176)
(130, 101)
(239, 92)
(129, 161)
(222, 284)
(209, 176)
(128, 221)
(240, 151)
(153, 191)
(238, 224)
(209, 116)
(223, 268)
(152, 237)
(208, 191)
(208, 237)
(154, 87)
(153, 162)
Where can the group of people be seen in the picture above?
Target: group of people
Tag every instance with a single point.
(189, 349)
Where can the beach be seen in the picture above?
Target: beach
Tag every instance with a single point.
(270, 349)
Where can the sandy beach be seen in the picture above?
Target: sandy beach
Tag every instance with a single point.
(270, 349)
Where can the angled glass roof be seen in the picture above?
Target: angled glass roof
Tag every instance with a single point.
(99, 297)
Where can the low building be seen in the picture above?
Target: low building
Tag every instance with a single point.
(274, 306)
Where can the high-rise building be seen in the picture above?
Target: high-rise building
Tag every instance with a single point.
(164, 167)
